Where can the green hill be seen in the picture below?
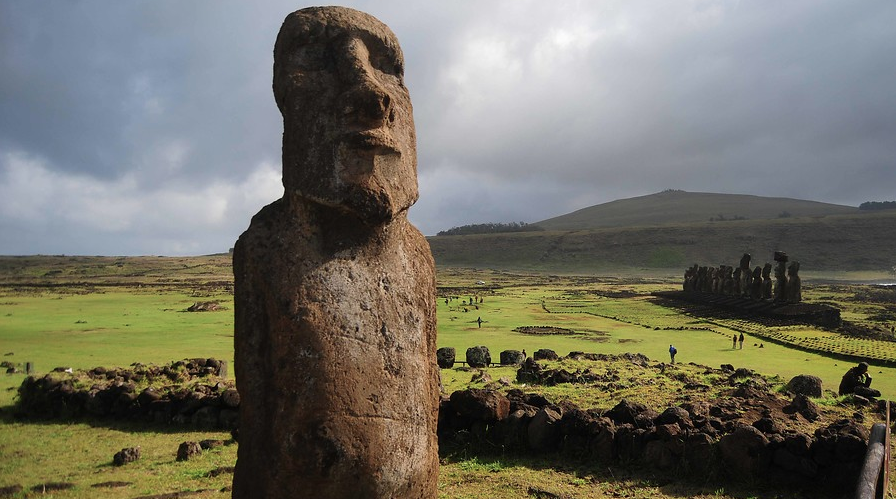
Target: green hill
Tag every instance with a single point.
(671, 230)
(674, 206)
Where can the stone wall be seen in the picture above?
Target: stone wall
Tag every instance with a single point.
(688, 440)
(188, 392)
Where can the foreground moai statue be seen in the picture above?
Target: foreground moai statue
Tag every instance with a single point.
(335, 332)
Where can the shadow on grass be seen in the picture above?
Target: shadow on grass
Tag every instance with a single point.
(620, 479)
(8, 415)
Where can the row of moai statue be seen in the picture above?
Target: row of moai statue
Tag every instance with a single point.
(755, 284)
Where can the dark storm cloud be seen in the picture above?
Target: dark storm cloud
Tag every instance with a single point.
(150, 127)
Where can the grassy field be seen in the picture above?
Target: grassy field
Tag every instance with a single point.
(84, 312)
(609, 316)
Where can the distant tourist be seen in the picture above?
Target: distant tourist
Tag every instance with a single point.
(733, 341)
(479, 321)
(857, 381)
(672, 352)
(741, 339)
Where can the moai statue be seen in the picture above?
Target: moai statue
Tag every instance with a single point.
(690, 278)
(746, 278)
(756, 284)
(727, 280)
(794, 293)
(767, 281)
(780, 276)
(702, 279)
(335, 327)
(716, 279)
(736, 282)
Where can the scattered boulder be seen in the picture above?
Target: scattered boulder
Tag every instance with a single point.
(802, 405)
(512, 358)
(545, 354)
(445, 357)
(210, 443)
(529, 372)
(126, 455)
(805, 384)
(188, 450)
(478, 356)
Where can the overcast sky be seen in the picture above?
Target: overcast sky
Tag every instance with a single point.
(149, 128)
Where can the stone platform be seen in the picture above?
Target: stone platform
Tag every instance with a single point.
(795, 313)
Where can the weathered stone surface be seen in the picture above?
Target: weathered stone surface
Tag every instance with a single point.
(544, 429)
(603, 445)
(805, 384)
(206, 417)
(512, 357)
(480, 405)
(802, 405)
(627, 411)
(188, 450)
(478, 356)
(659, 455)
(126, 455)
(446, 357)
(674, 415)
(767, 426)
(230, 398)
(545, 354)
(743, 452)
(334, 293)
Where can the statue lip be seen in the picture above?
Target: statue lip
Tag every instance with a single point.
(377, 140)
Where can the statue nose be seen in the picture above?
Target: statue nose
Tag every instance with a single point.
(366, 98)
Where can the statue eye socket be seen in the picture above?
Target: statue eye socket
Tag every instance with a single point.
(312, 57)
(387, 64)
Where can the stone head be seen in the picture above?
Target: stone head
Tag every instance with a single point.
(348, 138)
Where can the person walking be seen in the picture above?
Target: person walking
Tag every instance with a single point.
(672, 352)
(734, 341)
(741, 339)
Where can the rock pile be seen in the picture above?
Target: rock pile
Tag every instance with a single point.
(184, 392)
(686, 439)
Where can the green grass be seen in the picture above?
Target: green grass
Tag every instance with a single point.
(80, 453)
